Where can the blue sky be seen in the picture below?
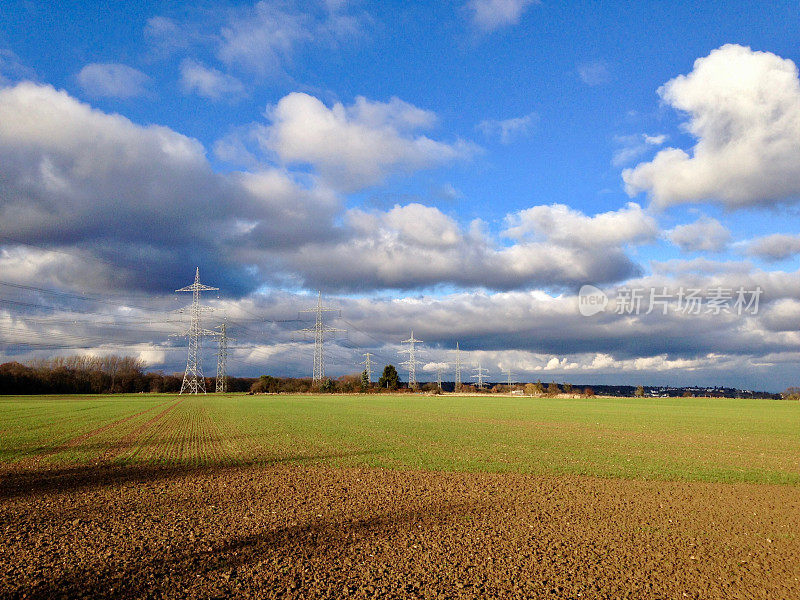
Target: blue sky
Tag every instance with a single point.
(393, 151)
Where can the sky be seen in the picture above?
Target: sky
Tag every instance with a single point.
(461, 169)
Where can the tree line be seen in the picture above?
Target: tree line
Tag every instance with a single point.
(96, 375)
(126, 374)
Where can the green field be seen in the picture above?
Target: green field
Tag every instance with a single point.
(663, 438)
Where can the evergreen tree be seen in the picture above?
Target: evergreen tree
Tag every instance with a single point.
(364, 380)
(389, 379)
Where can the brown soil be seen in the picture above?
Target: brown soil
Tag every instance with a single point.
(289, 531)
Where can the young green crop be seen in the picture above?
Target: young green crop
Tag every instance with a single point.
(662, 438)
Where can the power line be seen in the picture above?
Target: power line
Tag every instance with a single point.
(32, 288)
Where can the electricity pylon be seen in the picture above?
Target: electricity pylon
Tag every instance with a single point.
(367, 365)
(480, 372)
(458, 369)
(439, 370)
(411, 363)
(508, 374)
(193, 380)
(222, 358)
(319, 330)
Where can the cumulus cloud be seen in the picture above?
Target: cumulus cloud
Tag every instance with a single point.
(775, 247)
(489, 15)
(508, 129)
(744, 110)
(704, 235)
(419, 246)
(433, 367)
(209, 82)
(564, 225)
(72, 176)
(144, 198)
(112, 80)
(706, 266)
(357, 145)
(530, 332)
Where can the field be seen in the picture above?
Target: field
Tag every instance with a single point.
(399, 496)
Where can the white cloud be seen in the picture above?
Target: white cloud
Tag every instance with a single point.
(489, 15)
(633, 147)
(358, 145)
(152, 357)
(528, 331)
(508, 129)
(165, 36)
(775, 247)
(12, 68)
(744, 111)
(263, 37)
(72, 176)
(209, 82)
(260, 39)
(594, 73)
(704, 235)
(655, 140)
(418, 246)
(561, 224)
(432, 367)
(702, 266)
(112, 80)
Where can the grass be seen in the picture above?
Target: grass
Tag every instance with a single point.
(662, 438)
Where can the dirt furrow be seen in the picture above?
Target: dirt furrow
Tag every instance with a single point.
(131, 439)
(31, 461)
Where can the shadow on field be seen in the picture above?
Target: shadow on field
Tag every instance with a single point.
(20, 454)
(194, 569)
(67, 479)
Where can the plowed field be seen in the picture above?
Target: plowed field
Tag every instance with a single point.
(281, 497)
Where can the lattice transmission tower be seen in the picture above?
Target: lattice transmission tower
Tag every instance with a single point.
(411, 363)
(319, 330)
(222, 358)
(439, 371)
(508, 376)
(193, 380)
(367, 365)
(458, 369)
(480, 373)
